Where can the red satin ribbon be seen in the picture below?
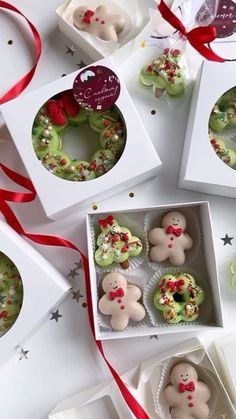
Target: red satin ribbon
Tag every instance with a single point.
(47, 240)
(197, 37)
(23, 83)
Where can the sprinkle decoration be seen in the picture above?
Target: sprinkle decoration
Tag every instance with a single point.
(22, 83)
(11, 196)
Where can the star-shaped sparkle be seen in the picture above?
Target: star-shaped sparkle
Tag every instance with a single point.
(77, 295)
(81, 64)
(79, 265)
(70, 50)
(72, 273)
(1, 299)
(55, 315)
(153, 337)
(227, 240)
(23, 354)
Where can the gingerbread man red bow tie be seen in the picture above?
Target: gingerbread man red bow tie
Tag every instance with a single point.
(186, 387)
(117, 293)
(172, 230)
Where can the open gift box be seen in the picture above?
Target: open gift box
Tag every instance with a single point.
(136, 14)
(60, 196)
(147, 382)
(29, 289)
(208, 163)
(199, 262)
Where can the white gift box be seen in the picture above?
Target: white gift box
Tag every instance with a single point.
(145, 381)
(202, 170)
(203, 267)
(137, 17)
(225, 349)
(60, 197)
(43, 288)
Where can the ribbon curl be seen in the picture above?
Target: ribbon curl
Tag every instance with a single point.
(197, 37)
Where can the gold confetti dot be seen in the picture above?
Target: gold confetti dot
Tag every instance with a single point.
(131, 194)
(94, 207)
(84, 305)
(143, 44)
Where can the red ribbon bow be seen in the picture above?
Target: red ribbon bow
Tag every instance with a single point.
(117, 293)
(57, 110)
(87, 16)
(4, 314)
(106, 221)
(197, 37)
(186, 387)
(172, 230)
(175, 286)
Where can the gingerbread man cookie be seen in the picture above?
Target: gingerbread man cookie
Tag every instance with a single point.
(101, 22)
(186, 395)
(170, 240)
(120, 301)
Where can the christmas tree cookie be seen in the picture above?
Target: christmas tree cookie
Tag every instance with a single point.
(115, 244)
(11, 293)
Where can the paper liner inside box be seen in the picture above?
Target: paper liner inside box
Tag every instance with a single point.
(132, 278)
(129, 11)
(136, 230)
(157, 319)
(153, 219)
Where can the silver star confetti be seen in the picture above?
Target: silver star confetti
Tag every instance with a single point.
(227, 240)
(55, 315)
(23, 354)
(79, 265)
(153, 337)
(73, 273)
(70, 50)
(77, 295)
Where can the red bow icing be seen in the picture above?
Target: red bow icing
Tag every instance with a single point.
(87, 16)
(186, 387)
(58, 109)
(4, 314)
(106, 221)
(175, 285)
(172, 230)
(117, 293)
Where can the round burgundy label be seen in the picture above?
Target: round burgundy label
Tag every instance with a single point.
(96, 87)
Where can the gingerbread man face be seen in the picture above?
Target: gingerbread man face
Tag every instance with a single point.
(183, 373)
(175, 219)
(113, 281)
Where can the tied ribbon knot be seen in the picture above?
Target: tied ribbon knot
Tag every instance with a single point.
(117, 293)
(197, 37)
(186, 387)
(172, 230)
(4, 314)
(57, 110)
(106, 221)
(87, 16)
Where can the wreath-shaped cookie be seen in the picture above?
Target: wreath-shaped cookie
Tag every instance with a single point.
(60, 113)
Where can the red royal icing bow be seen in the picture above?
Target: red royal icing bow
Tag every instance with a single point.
(57, 109)
(117, 293)
(106, 221)
(3, 314)
(186, 387)
(197, 37)
(87, 16)
(172, 230)
(175, 285)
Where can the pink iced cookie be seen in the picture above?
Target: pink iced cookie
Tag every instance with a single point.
(186, 395)
(102, 22)
(120, 301)
(170, 240)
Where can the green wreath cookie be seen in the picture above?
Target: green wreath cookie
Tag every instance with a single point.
(11, 293)
(59, 114)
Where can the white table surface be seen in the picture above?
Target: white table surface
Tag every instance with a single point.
(62, 358)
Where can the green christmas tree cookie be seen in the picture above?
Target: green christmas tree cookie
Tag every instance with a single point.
(11, 293)
(115, 244)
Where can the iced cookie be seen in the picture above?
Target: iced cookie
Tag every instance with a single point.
(11, 293)
(186, 395)
(120, 301)
(62, 112)
(115, 244)
(170, 240)
(178, 297)
(101, 22)
(164, 74)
